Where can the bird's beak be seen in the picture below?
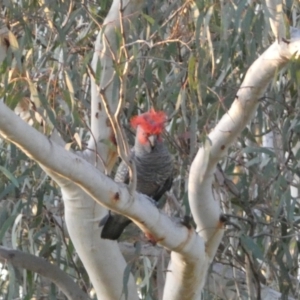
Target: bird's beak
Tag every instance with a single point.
(152, 140)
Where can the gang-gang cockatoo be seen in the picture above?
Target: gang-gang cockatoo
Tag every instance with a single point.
(154, 167)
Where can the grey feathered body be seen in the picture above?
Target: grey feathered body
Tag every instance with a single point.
(154, 178)
(153, 169)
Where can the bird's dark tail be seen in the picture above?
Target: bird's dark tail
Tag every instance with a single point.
(113, 226)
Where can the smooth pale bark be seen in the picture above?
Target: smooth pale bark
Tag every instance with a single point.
(105, 191)
(101, 258)
(102, 188)
(189, 262)
(103, 58)
(222, 282)
(173, 236)
(205, 209)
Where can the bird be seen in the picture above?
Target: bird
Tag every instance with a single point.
(154, 167)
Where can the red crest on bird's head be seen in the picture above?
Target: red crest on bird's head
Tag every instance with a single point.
(151, 122)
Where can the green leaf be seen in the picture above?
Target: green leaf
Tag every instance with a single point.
(70, 88)
(252, 247)
(126, 276)
(12, 283)
(259, 150)
(150, 20)
(192, 72)
(10, 176)
(7, 225)
(13, 41)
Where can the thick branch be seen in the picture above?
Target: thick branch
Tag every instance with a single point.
(41, 266)
(205, 209)
(97, 255)
(106, 48)
(101, 258)
(105, 191)
(100, 187)
(221, 278)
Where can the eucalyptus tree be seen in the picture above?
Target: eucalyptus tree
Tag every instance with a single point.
(73, 74)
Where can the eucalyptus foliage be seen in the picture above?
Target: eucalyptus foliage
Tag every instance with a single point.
(189, 58)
